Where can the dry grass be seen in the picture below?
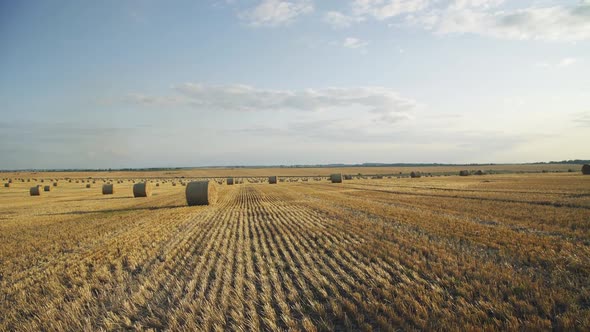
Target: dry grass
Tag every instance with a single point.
(493, 252)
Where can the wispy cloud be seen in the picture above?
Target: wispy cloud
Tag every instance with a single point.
(582, 119)
(491, 18)
(277, 12)
(563, 63)
(557, 23)
(382, 103)
(381, 9)
(351, 42)
(566, 62)
(339, 20)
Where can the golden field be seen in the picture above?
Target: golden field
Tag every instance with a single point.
(493, 252)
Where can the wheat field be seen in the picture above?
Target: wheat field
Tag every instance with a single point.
(493, 252)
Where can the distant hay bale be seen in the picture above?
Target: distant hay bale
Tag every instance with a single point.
(230, 181)
(415, 175)
(348, 177)
(272, 179)
(55, 184)
(336, 178)
(108, 189)
(174, 184)
(464, 173)
(88, 185)
(7, 185)
(480, 172)
(157, 184)
(142, 189)
(586, 169)
(47, 188)
(35, 191)
(201, 193)
(42, 180)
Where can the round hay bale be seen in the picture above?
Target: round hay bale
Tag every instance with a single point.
(586, 169)
(88, 185)
(201, 193)
(47, 188)
(174, 184)
(348, 177)
(157, 184)
(230, 181)
(464, 173)
(55, 184)
(415, 175)
(142, 189)
(272, 179)
(7, 185)
(35, 191)
(480, 172)
(336, 178)
(108, 189)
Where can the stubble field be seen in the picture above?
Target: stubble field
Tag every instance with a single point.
(504, 251)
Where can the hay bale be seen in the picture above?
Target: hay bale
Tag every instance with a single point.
(348, 177)
(88, 185)
(464, 173)
(47, 188)
(586, 169)
(55, 184)
(35, 191)
(480, 172)
(108, 189)
(415, 175)
(157, 184)
(201, 193)
(7, 185)
(142, 189)
(336, 178)
(230, 181)
(272, 179)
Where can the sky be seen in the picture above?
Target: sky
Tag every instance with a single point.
(145, 83)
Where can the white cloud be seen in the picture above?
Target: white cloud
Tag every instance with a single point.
(352, 42)
(461, 4)
(383, 9)
(566, 62)
(491, 18)
(379, 103)
(277, 12)
(339, 20)
(557, 23)
(563, 63)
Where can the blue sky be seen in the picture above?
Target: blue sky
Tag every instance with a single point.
(193, 83)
